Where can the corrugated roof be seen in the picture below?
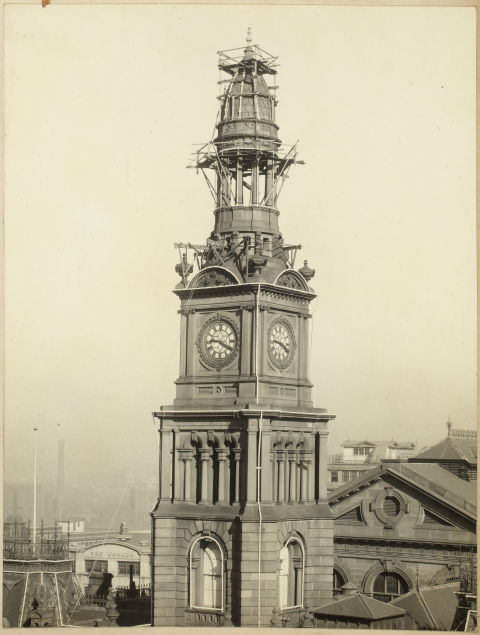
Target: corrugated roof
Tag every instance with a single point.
(359, 606)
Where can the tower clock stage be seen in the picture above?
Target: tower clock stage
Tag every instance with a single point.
(242, 531)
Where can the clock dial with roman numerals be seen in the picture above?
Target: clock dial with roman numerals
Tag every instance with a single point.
(281, 343)
(220, 341)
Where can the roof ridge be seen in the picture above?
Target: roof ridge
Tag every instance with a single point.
(362, 598)
(427, 608)
(457, 448)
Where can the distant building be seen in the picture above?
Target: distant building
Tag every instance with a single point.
(358, 457)
(457, 453)
(72, 526)
(127, 561)
(400, 526)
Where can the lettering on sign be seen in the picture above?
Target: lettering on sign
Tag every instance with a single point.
(112, 554)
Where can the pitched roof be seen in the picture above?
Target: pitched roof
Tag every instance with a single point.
(432, 608)
(352, 444)
(361, 607)
(440, 482)
(432, 478)
(452, 448)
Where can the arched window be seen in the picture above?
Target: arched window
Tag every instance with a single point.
(388, 586)
(338, 582)
(206, 574)
(291, 574)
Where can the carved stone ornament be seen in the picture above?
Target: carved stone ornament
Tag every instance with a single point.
(213, 277)
(281, 343)
(218, 341)
(292, 280)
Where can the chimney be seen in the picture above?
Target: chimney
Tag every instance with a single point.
(60, 478)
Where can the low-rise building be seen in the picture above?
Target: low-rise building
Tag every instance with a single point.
(457, 453)
(400, 526)
(358, 457)
(127, 559)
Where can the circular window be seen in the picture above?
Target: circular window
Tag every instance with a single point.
(391, 506)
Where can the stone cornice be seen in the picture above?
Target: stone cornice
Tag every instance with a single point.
(255, 411)
(271, 512)
(248, 288)
(468, 539)
(263, 379)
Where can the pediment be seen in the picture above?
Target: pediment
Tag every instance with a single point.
(352, 517)
(431, 520)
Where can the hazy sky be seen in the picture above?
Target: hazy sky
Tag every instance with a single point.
(103, 104)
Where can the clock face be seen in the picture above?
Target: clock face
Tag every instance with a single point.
(281, 343)
(220, 340)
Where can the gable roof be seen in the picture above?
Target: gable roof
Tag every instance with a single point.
(432, 608)
(361, 607)
(433, 479)
(353, 444)
(451, 449)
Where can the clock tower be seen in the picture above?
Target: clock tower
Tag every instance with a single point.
(242, 533)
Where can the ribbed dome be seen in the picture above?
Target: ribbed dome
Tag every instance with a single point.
(255, 102)
(14, 518)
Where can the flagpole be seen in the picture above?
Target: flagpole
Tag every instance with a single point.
(34, 539)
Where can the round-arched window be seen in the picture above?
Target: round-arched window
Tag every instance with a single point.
(206, 574)
(291, 574)
(389, 585)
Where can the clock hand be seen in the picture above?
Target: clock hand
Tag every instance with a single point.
(230, 348)
(285, 348)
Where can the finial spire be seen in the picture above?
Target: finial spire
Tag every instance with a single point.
(449, 425)
(249, 36)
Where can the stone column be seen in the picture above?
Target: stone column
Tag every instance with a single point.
(221, 457)
(187, 478)
(266, 473)
(236, 458)
(225, 188)
(191, 353)
(183, 344)
(246, 335)
(310, 476)
(281, 477)
(178, 484)
(252, 461)
(165, 462)
(292, 494)
(204, 459)
(239, 192)
(303, 479)
(322, 465)
(269, 184)
(254, 192)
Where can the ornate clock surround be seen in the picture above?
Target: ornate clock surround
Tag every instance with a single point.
(202, 342)
(281, 322)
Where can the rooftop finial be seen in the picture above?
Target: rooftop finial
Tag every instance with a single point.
(449, 425)
(249, 36)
